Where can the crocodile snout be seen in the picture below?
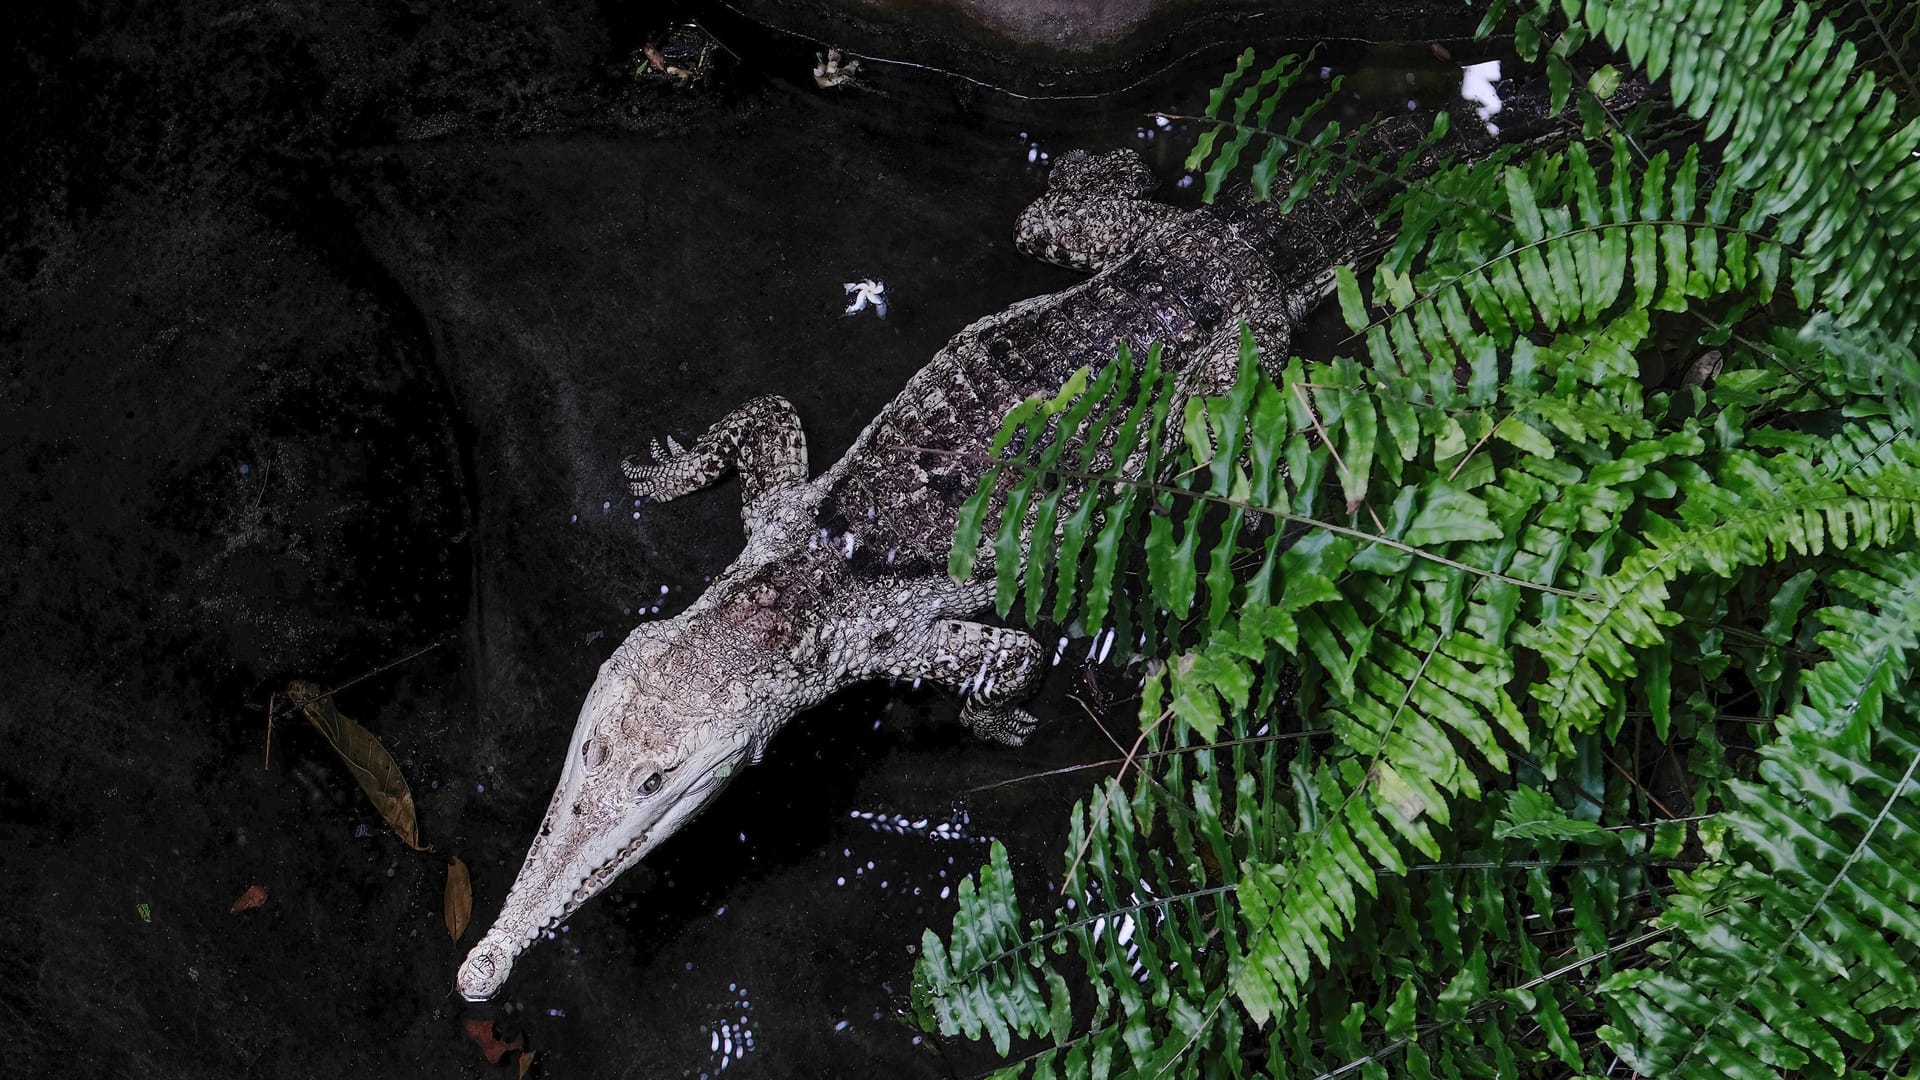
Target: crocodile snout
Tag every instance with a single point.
(484, 971)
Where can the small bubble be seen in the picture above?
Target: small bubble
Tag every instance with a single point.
(606, 506)
(245, 469)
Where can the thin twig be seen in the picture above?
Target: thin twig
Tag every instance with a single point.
(1314, 415)
(1477, 446)
(1097, 722)
(267, 754)
(417, 653)
(1227, 744)
(1106, 801)
(1638, 786)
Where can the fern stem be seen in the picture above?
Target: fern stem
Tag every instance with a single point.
(1107, 913)
(1490, 1002)
(1156, 488)
(1452, 282)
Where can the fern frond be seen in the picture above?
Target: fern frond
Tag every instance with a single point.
(1502, 562)
(1888, 34)
(1807, 136)
(1751, 512)
(1802, 954)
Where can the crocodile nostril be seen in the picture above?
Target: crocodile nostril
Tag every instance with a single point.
(480, 977)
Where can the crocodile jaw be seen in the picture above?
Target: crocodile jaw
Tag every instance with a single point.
(602, 820)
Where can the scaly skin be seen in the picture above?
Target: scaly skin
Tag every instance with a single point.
(844, 577)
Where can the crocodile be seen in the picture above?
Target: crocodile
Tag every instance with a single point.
(844, 577)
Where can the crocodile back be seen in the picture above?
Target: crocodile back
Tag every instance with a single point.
(898, 491)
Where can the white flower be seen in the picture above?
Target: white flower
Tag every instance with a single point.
(864, 292)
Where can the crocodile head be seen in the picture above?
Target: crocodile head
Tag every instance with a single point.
(655, 742)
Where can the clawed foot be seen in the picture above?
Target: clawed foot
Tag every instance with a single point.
(1005, 725)
(654, 480)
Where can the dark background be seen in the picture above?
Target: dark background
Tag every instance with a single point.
(322, 332)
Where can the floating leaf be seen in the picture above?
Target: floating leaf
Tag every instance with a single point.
(255, 896)
(481, 1032)
(526, 1062)
(372, 766)
(459, 899)
(146, 912)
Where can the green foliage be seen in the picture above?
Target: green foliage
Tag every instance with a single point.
(1803, 943)
(1453, 649)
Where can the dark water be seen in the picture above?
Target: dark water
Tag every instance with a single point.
(282, 405)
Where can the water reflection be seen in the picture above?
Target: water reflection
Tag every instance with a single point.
(731, 1037)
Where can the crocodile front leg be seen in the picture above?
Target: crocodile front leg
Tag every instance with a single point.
(1095, 211)
(761, 439)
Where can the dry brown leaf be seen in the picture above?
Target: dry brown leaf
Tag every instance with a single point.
(526, 1062)
(459, 899)
(252, 898)
(481, 1032)
(372, 766)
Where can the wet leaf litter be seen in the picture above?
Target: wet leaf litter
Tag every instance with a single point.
(481, 1032)
(459, 899)
(371, 764)
(378, 774)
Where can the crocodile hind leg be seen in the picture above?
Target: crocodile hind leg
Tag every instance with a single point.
(761, 439)
(993, 668)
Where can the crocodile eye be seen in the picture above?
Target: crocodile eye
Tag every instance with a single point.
(651, 784)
